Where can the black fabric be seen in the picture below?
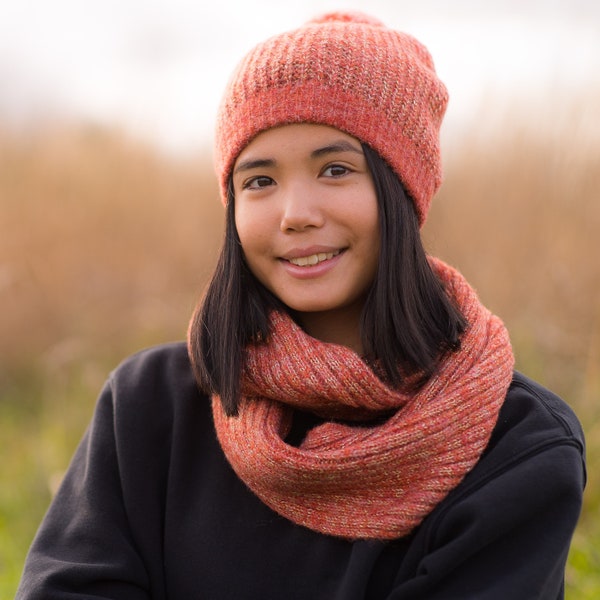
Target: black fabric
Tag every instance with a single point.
(150, 508)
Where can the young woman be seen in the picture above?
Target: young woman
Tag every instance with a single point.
(344, 422)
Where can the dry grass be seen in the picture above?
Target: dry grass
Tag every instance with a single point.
(520, 217)
(105, 245)
(101, 239)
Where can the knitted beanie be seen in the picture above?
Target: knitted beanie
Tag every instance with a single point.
(348, 71)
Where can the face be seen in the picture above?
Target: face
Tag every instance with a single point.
(306, 214)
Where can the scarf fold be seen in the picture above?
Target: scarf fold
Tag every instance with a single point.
(365, 481)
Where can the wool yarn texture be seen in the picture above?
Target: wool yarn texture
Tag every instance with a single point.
(376, 478)
(349, 71)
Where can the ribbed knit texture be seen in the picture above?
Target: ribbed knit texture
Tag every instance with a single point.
(360, 481)
(349, 71)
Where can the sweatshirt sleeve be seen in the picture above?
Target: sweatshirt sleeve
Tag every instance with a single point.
(84, 547)
(506, 532)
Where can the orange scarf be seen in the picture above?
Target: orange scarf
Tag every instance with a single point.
(354, 481)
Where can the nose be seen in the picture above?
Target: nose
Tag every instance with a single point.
(301, 209)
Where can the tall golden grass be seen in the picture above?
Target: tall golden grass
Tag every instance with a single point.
(106, 244)
(101, 239)
(519, 214)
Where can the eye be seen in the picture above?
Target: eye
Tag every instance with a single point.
(257, 183)
(336, 171)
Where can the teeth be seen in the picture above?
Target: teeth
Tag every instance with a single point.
(313, 259)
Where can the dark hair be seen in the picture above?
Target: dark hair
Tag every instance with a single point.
(408, 321)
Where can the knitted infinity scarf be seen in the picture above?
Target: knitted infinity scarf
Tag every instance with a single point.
(356, 481)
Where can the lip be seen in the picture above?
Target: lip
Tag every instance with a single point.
(310, 250)
(311, 271)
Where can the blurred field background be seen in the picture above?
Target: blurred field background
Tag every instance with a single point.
(106, 243)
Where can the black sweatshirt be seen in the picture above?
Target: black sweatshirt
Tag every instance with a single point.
(150, 508)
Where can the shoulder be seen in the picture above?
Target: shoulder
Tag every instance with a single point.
(520, 502)
(159, 368)
(536, 451)
(162, 359)
(533, 418)
(537, 436)
(153, 384)
(534, 463)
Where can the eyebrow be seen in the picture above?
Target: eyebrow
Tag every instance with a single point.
(260, 163)
(341, 146)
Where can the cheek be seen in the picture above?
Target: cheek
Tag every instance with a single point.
(252, 229)
(245, 224)
(365, 221)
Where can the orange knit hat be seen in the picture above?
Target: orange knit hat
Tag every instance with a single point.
(348, 71)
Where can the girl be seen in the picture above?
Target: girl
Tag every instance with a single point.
(345, 422)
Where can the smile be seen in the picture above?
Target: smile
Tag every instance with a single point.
(313, 259)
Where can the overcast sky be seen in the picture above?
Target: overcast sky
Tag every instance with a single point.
(158, 67)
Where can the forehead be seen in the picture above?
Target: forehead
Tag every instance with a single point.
(296, 138)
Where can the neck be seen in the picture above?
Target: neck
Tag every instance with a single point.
(341, 327)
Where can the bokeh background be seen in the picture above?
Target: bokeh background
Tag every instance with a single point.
(110, 222)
